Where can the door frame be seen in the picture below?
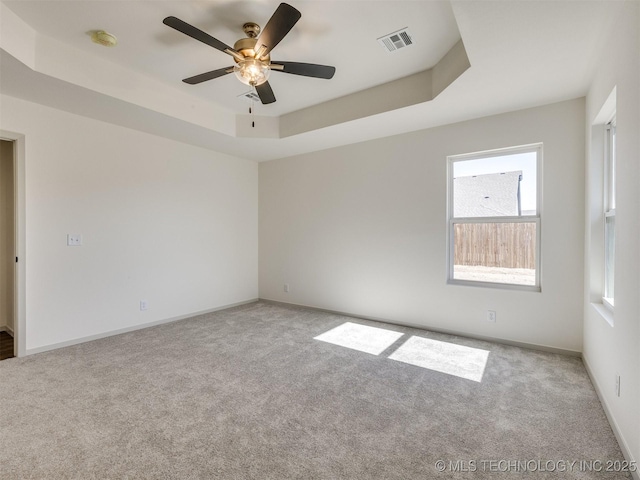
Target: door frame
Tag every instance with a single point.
(19, 231)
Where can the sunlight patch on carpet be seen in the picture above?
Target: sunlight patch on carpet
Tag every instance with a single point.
(360, 337)
(449, 358)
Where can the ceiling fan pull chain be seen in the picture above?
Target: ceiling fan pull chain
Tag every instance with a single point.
(253, 123)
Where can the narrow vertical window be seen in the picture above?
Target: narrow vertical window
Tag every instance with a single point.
(494, 218)
(609, 213)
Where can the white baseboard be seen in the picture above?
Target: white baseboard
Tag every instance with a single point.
(76, 341)
(513, 343)
(612, 421)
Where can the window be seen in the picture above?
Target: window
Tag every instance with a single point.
(494, 218)
(609, 212)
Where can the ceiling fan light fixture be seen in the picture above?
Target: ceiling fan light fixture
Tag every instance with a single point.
(252, 72)
(253, 54)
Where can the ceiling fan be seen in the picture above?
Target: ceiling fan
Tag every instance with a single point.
(252, 54)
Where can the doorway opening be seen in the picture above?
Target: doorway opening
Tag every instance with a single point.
(8, 249)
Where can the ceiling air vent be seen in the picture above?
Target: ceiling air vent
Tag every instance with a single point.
(396, 40)
(250, 96)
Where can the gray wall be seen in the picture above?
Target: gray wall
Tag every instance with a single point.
(362, 229)
(162, 221)
(611, 349)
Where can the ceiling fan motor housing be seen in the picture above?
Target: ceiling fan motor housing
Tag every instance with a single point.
(245, 46)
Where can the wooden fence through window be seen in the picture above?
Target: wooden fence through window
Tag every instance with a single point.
(506, 245)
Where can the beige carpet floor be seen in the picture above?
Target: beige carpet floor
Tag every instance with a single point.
(249, 393)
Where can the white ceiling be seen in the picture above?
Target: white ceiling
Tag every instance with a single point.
(338, 33)
(522, 54)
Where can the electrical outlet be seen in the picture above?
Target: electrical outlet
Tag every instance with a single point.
(491, 316)
(617, 384)
(74, 239)
(144, 305)
(286, 288)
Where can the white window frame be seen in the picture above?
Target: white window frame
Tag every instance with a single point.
(609, 210)
(452, 221)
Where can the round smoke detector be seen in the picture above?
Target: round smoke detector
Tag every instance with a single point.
(104, 38)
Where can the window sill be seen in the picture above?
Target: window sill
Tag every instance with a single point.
(504, 286)
(605, 312)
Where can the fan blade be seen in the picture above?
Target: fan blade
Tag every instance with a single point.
(198, 34)
(265, 93)
(280, 23)
(304, 69)
(203, 77)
